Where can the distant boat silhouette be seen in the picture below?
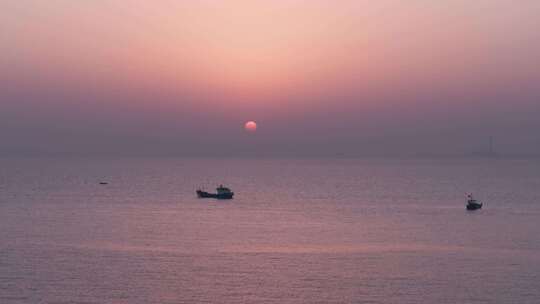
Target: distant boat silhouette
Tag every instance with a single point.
(222, 193)
(473, 204)
(103, 183)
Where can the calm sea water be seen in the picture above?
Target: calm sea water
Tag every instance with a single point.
(298, 231)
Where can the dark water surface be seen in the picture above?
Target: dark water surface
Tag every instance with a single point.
(299, 231)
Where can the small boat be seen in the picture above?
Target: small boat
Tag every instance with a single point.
(473, 204)
(222, 193)
(103, 183)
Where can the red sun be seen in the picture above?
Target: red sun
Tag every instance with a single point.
(250, 126)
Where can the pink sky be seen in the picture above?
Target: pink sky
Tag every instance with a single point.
(171, 71)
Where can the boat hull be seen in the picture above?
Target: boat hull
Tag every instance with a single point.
(474, 206)
(221, 196)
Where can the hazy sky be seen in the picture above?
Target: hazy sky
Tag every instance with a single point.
(360, 77)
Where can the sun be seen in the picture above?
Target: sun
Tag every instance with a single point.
(250, 126)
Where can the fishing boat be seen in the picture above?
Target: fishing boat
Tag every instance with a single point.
(473, 204)
(222, 193)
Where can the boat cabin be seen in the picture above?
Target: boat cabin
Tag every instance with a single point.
(223, 190)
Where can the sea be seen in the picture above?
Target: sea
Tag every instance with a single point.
(370, 230)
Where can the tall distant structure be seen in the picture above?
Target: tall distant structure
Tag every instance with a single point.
(489, 152)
